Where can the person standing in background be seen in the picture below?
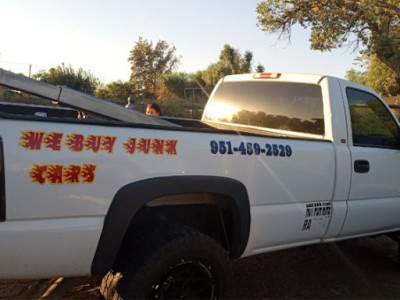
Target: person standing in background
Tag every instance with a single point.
(130, 102)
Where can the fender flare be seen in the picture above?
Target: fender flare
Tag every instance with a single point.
(131, 197)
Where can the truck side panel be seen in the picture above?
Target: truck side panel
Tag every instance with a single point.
(43, 248)
(73, 170)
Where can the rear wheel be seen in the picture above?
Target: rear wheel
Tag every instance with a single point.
(173, 262)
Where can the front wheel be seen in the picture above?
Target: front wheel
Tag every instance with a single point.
(174, 262)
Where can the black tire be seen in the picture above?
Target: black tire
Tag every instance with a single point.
(173, 262)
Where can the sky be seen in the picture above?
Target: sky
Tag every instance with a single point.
(97, 36)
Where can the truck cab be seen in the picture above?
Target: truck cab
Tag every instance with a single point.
(365, 159)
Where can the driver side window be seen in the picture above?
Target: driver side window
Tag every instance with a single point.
(371, 122)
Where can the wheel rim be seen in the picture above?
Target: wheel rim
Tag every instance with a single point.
(189, 279)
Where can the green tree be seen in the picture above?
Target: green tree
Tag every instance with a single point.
(172, 85)
(230, 62)
(356, 76)
(80, 80)
(116, 91)
(182, 95)
(149, 62)
(260, 68)
(337, 23)
(213, 73)
(377, 76)
(230, 58)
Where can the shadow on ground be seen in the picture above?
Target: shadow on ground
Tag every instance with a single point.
(365, 268)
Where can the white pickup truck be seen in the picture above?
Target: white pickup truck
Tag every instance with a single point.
(159, 206)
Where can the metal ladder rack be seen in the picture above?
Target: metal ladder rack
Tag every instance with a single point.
(73, 98)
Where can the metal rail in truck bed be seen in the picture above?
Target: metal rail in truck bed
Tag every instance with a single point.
(73, 98)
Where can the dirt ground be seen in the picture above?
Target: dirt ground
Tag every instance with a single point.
(365, 268)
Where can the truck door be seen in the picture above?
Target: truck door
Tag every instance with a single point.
(374, 198)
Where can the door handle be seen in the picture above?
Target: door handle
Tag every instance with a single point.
(361, 166)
